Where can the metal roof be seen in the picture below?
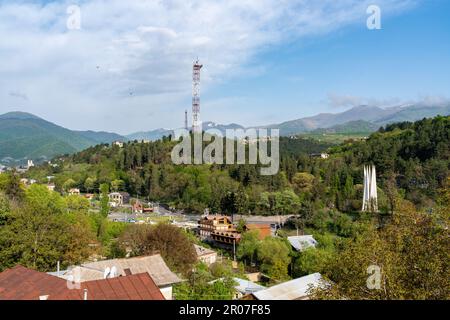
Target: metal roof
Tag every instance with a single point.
(291, 290)
(154, 265)
(301, 243)
(246, 286)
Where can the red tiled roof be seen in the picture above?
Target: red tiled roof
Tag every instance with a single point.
(264, 229)
(20, 283)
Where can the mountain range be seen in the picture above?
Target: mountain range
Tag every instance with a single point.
(26, 136)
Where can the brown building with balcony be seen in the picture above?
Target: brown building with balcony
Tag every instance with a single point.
(213, 223)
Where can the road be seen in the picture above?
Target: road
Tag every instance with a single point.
(162, 211)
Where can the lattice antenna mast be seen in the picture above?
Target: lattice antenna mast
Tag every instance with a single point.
(196, 122)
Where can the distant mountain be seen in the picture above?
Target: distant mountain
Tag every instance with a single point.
(351, 127)
(414, 113)
(26, 136)
(102, 136)
(375, 115)
(159, 133)
(149, 135)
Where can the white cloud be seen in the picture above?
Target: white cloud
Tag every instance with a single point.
(133, 58)
(350, 101)
(347, 100)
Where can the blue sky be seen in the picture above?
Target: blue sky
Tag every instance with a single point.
(129, 66)
(407, 60)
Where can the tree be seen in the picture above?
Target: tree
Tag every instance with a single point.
(201, 285)
(273, 254)
(89, 184)
(117, 185)
(13, 187)
(171, 242)
(69, 183)
(248, 246)
(40, 232)
(104, 199)
(411, 252)
(5, 209)
(303, 182)
(241, 225)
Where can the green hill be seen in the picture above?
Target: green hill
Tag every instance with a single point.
(26, 136)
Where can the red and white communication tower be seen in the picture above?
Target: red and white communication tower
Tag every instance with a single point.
(196, 122)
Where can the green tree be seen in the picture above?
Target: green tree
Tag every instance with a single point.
(5, 209)
(89, 184)
(69, 183)
(104, 199)
(248, 246)
(273, 254)
(411, 252)
(41, 232)
(117, 185)
(171, 242)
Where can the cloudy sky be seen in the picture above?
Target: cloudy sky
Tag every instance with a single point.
(128, 67)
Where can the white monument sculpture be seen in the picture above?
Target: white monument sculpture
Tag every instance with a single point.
(370, 198)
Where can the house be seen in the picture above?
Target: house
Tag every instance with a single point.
(300, 243)
(119, 198)
(205, 255)
(74, 191)
(242, 287)
(297, 289)
(320, 155)
(89, 196)
(264, 230)
(137, 207)
(118, 143)
(153, 265)
(230, 237)
(20, 283)
(245, 287)
(213, 223)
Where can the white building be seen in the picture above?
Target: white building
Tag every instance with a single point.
(205, 255)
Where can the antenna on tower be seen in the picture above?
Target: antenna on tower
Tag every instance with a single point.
(196, 123)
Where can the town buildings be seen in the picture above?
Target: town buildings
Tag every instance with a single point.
(20, 283)
(213, 223)
(205, 255)
(117, 199)
(154, 265)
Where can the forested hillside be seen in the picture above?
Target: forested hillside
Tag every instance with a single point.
(412, 161)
